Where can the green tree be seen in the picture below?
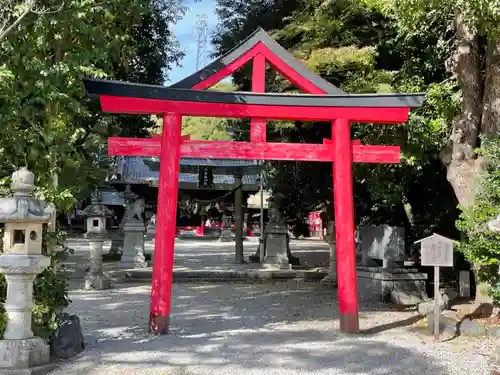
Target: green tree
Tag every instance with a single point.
(357, 46)
(48, 123)
(475, 67)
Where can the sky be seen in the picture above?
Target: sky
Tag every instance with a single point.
(185, 33)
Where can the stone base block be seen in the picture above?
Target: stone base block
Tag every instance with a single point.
(26, 354)
(330, 280)
(127, 263)
(270, 265)
(37, 370)
(96, 282)
(226, 235)
(401, 286)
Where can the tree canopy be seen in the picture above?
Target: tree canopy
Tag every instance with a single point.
(450, 50)
(47, 122)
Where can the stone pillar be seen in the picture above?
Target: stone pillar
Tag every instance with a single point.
(21, 262)
(133, 250)
(96, 214)
(151, 234)
(225, 230)
(238, 219)
(331, 278)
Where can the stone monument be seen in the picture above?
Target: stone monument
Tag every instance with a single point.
(134, 229)
(331, 278)
(276, 238)
(96, 215)
(20, 351)
(382, 275)
(117, 237)
(382, 243)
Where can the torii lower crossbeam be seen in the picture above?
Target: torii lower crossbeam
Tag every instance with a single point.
(118, 146)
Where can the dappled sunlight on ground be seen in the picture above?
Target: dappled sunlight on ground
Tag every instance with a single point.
(282, 328)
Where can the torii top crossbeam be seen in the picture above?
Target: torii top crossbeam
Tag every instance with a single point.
(322, 102)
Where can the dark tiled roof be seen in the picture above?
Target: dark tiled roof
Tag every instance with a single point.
(133, 169)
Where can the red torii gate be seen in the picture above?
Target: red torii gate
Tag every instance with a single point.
(324, 102)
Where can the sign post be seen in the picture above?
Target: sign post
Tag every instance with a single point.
(436, 251)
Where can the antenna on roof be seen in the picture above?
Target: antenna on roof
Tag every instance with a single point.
(201, 34)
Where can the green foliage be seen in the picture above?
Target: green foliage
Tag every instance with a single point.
(209, 128)
(50, 288)
(361, 47)
(482, 246)
(480, 14)
(49, 125)
(47, 122)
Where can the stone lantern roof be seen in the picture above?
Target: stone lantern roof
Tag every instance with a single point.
(96, 209)
(21, 207)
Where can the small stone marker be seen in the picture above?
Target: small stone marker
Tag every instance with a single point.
(437, 251)
(464, 284)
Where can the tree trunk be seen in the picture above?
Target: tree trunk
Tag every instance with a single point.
(490, 122)
(459, 155)
(463, 166)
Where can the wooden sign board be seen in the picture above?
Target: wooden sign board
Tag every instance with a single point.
(436, 251)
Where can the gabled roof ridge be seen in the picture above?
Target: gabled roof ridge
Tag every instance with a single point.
(259, 35)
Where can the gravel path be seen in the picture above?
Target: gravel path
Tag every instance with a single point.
(203, 255)
(253, 329)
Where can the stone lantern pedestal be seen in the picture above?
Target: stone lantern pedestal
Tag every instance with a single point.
(134, 229)
(20, 351)
(96, 215)
(276, 248)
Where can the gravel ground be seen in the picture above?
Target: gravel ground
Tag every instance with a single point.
(202, 255)
(252, 329)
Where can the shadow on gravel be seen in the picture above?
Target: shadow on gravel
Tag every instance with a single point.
(392, 325)
(286, 328)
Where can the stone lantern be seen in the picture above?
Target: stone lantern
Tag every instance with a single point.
(134, 229)
(96, 215)
(21, 262)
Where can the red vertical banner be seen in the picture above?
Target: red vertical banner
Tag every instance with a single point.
(315, 224)
(344, 226)
(163, 266)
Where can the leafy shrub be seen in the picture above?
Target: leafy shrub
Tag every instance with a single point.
(51, 287)
(482, 246)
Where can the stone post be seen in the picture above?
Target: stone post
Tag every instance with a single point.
(21, 262)
(331, 278)
(133, 249)
(96, 214)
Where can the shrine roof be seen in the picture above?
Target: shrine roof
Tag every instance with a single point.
(135, 169)
(143, 91)
(258, 36)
